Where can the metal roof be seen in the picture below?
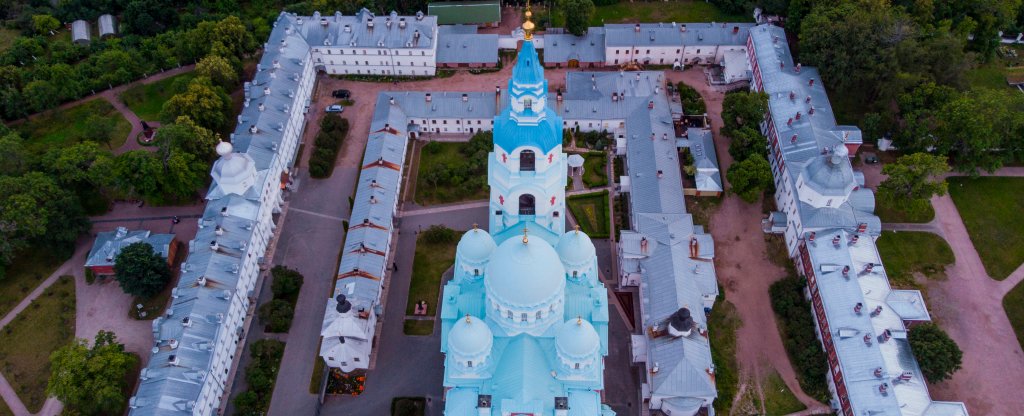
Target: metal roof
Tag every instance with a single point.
(457, 48)
(859, 339)
(108, 245)
(561, 47)
(80, 31)
(463, 12)
(367, 30)
(673, 34)
(108, 25)
(210, 286)
(708, 178)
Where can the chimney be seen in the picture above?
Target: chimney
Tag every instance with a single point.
(846, 273)
(465, 98)
(857, 308)
(214, 246)
(792, 95)
(266, 90)
(224, 211)
(878, 372)
(884, 389)
(735, 30)
(798, 67)
(391, 100)
(790, 122)
(811, 236)
(808, 99)
(793, 139)
(798, 114)
(253, 129)
(853, 240)
(877, 311)
(810, 82)
(886, 335)
(219, 230)
(868, 267)
(261, 107)
(811, 111)
(867, 339)
(427, 97)
(835, 240)
(636, 28)
(650, 105)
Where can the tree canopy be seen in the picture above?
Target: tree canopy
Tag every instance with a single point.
(577, 15)
(140, 270)
(743, 109)
(206, 104)
(750, 177)
(91, 380)
(938, 355)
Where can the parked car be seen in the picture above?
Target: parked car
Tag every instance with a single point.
(334, 108)
(342, 94)
(870, 158)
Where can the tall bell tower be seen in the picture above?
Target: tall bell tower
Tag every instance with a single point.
(527, 169)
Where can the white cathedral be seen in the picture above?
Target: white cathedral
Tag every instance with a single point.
(525, 318)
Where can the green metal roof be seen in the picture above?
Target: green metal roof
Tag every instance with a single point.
(465, 12)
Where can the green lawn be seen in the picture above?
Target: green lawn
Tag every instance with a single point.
(4, 410)
(991, 209)
(1013, 303)
(723, 323)
(418, 327)
(906, 252)
(595, 169)
(663, 11)
(27, 342)
(702, 209)
(7, 37)
(29, 269)
(59, 127)
(778, 399)
(591, 213)
(431, 261)
(993, 74)
(449, 155)
(893, 214)
(146, 100)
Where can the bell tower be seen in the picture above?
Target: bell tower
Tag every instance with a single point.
(527, 169)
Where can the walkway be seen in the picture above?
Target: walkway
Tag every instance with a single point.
(968, 305)
(746, 272)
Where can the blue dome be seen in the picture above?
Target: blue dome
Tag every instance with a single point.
(470, 337)
(524, 273)
(575, 248)
(476, 246)
(578, 339)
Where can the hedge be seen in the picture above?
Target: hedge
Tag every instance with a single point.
(333, 130)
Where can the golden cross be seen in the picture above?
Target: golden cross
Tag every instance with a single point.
(526, 238)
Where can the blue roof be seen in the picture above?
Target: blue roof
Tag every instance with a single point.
(528, 70)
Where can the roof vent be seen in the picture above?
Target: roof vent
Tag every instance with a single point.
(680, 323)
(323, 21)
(253, 129)
(483, 401)
(173, 343)
(419, 15)
(343, 304)
(465, 97)
(401, 23)
(348, 29)
(201, 281)
(214, 246)
(173, 360)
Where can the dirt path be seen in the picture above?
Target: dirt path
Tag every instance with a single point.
(745, 271)
(969, 307)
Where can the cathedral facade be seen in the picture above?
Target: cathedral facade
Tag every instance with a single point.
(525, 317)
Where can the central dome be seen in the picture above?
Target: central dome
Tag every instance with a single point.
(524, 272)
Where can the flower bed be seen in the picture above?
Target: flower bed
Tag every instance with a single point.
(346, 383)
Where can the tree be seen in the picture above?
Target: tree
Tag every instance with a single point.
(750, 177)
(41, 95)
(277, 316)
(44, 24)
(97, 128)
(34, 209)
(137, 173)
(189, 137)
(148, 17)
(82, 163)
(182, 175)
(204, 103)
(141, 271)
(741, 109)
(745, 142)
(218, 70)
(852, 43)
(15, 158)
(227, 38)
(91, 380)
(913, 179)
(938, 355)
(577, 15)
(978, 130)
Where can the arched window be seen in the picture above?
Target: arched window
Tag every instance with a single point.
(527, 205)
(510, 314)
(540, 315)
(527, 161)
(528, 103)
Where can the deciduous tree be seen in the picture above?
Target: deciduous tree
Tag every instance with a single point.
(91, 380)
(140, 270)
(577, 15)
(219, 70)
(743, 109)
(44, 23)
(204, 103)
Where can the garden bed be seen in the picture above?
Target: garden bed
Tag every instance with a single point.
(591, 213)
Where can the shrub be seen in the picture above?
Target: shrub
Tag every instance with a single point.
(260, 374)
(276, 315)
(692, 102)
(90, 277)
(333, 130)
(437, 234)
(794, 318)
(287, 283)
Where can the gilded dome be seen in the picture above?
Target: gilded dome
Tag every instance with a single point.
(524, 272)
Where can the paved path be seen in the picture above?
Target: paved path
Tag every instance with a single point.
(745, 272)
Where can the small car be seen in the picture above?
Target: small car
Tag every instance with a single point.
(342, 94)
(334, 108)
(870, 158)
